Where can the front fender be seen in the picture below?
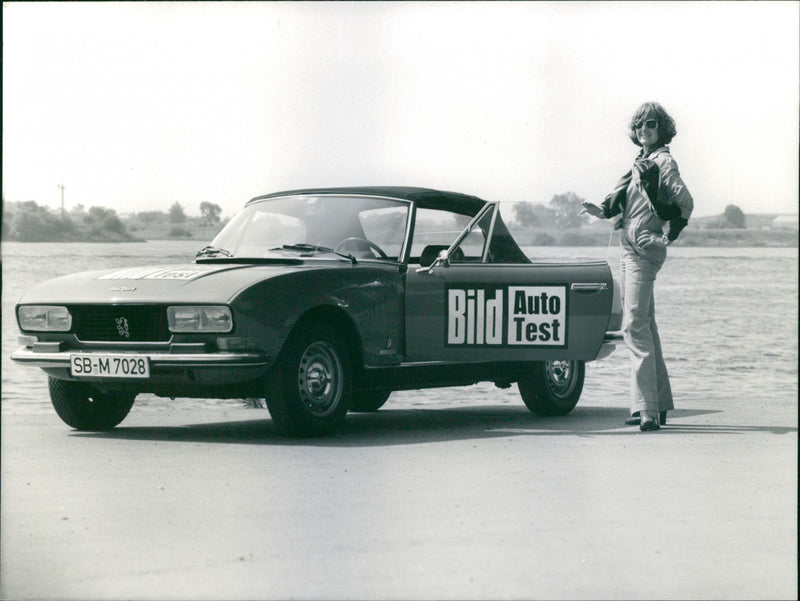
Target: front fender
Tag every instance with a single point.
(369, 295)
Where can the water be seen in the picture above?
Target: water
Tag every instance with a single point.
(727, 318)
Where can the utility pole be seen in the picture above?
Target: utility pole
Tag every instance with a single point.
(62, 187)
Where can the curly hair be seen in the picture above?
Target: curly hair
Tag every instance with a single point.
(653, 110)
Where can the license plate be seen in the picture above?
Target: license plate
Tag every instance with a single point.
(101, 365)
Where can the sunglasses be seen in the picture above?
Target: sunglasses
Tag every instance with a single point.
(649, 124)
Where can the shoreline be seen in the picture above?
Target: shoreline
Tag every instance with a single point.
(789, 241)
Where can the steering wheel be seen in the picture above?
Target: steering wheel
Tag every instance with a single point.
(361, 245)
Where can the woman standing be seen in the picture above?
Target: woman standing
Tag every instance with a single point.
(649, 197)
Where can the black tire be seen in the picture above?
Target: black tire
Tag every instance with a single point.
(313, 381)
(553, 387)
(83, 407)
(368, 401)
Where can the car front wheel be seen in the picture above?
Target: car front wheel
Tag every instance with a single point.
(84, 407)
(553, 387)
(313, 381)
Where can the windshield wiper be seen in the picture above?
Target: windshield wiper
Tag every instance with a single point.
(304, 247)
(212, 251)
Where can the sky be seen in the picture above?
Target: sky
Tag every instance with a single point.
(135, 106)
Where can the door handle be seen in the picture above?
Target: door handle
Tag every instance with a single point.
(588, 287)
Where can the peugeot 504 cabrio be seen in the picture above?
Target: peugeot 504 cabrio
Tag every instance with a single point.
(324, 301)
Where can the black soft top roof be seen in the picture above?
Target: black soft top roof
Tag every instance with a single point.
(424, 197)
(504, 248)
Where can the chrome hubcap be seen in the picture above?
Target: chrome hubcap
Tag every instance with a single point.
(560, 377)
(319, 379)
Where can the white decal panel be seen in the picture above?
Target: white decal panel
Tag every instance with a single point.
(513, 316)
(538, 315)
(150, 273)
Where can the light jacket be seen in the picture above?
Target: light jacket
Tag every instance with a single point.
(649, 196)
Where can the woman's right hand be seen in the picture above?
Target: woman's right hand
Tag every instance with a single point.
(592, 209)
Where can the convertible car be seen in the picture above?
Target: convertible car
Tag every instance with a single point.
(324, 301)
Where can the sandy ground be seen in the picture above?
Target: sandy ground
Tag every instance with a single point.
(476, 502)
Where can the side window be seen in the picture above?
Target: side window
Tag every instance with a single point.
(385, 227)
(440, 228)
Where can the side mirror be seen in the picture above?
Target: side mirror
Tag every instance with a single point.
(441, 259)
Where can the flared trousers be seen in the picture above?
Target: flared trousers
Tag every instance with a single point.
(650, 386)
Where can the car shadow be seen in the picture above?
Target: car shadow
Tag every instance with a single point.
(414, 426)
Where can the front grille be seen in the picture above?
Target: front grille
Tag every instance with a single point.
(120, 323)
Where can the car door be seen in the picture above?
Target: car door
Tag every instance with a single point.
(469, 309)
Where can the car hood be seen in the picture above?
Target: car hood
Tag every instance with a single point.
(187, 283)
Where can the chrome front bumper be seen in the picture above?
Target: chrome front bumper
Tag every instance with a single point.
(61, 359)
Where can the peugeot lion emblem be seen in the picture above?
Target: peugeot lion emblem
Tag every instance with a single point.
(122, 327)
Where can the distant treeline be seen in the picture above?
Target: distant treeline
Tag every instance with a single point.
(557, 223)
(563, 212)
(29, 222)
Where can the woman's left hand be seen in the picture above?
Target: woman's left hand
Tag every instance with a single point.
(646, 239)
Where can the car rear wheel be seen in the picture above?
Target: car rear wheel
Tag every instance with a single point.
(368, 400)
(553, 387)
(83, 407)
(313, 381)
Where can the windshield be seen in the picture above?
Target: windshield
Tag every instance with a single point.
(362, 227)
